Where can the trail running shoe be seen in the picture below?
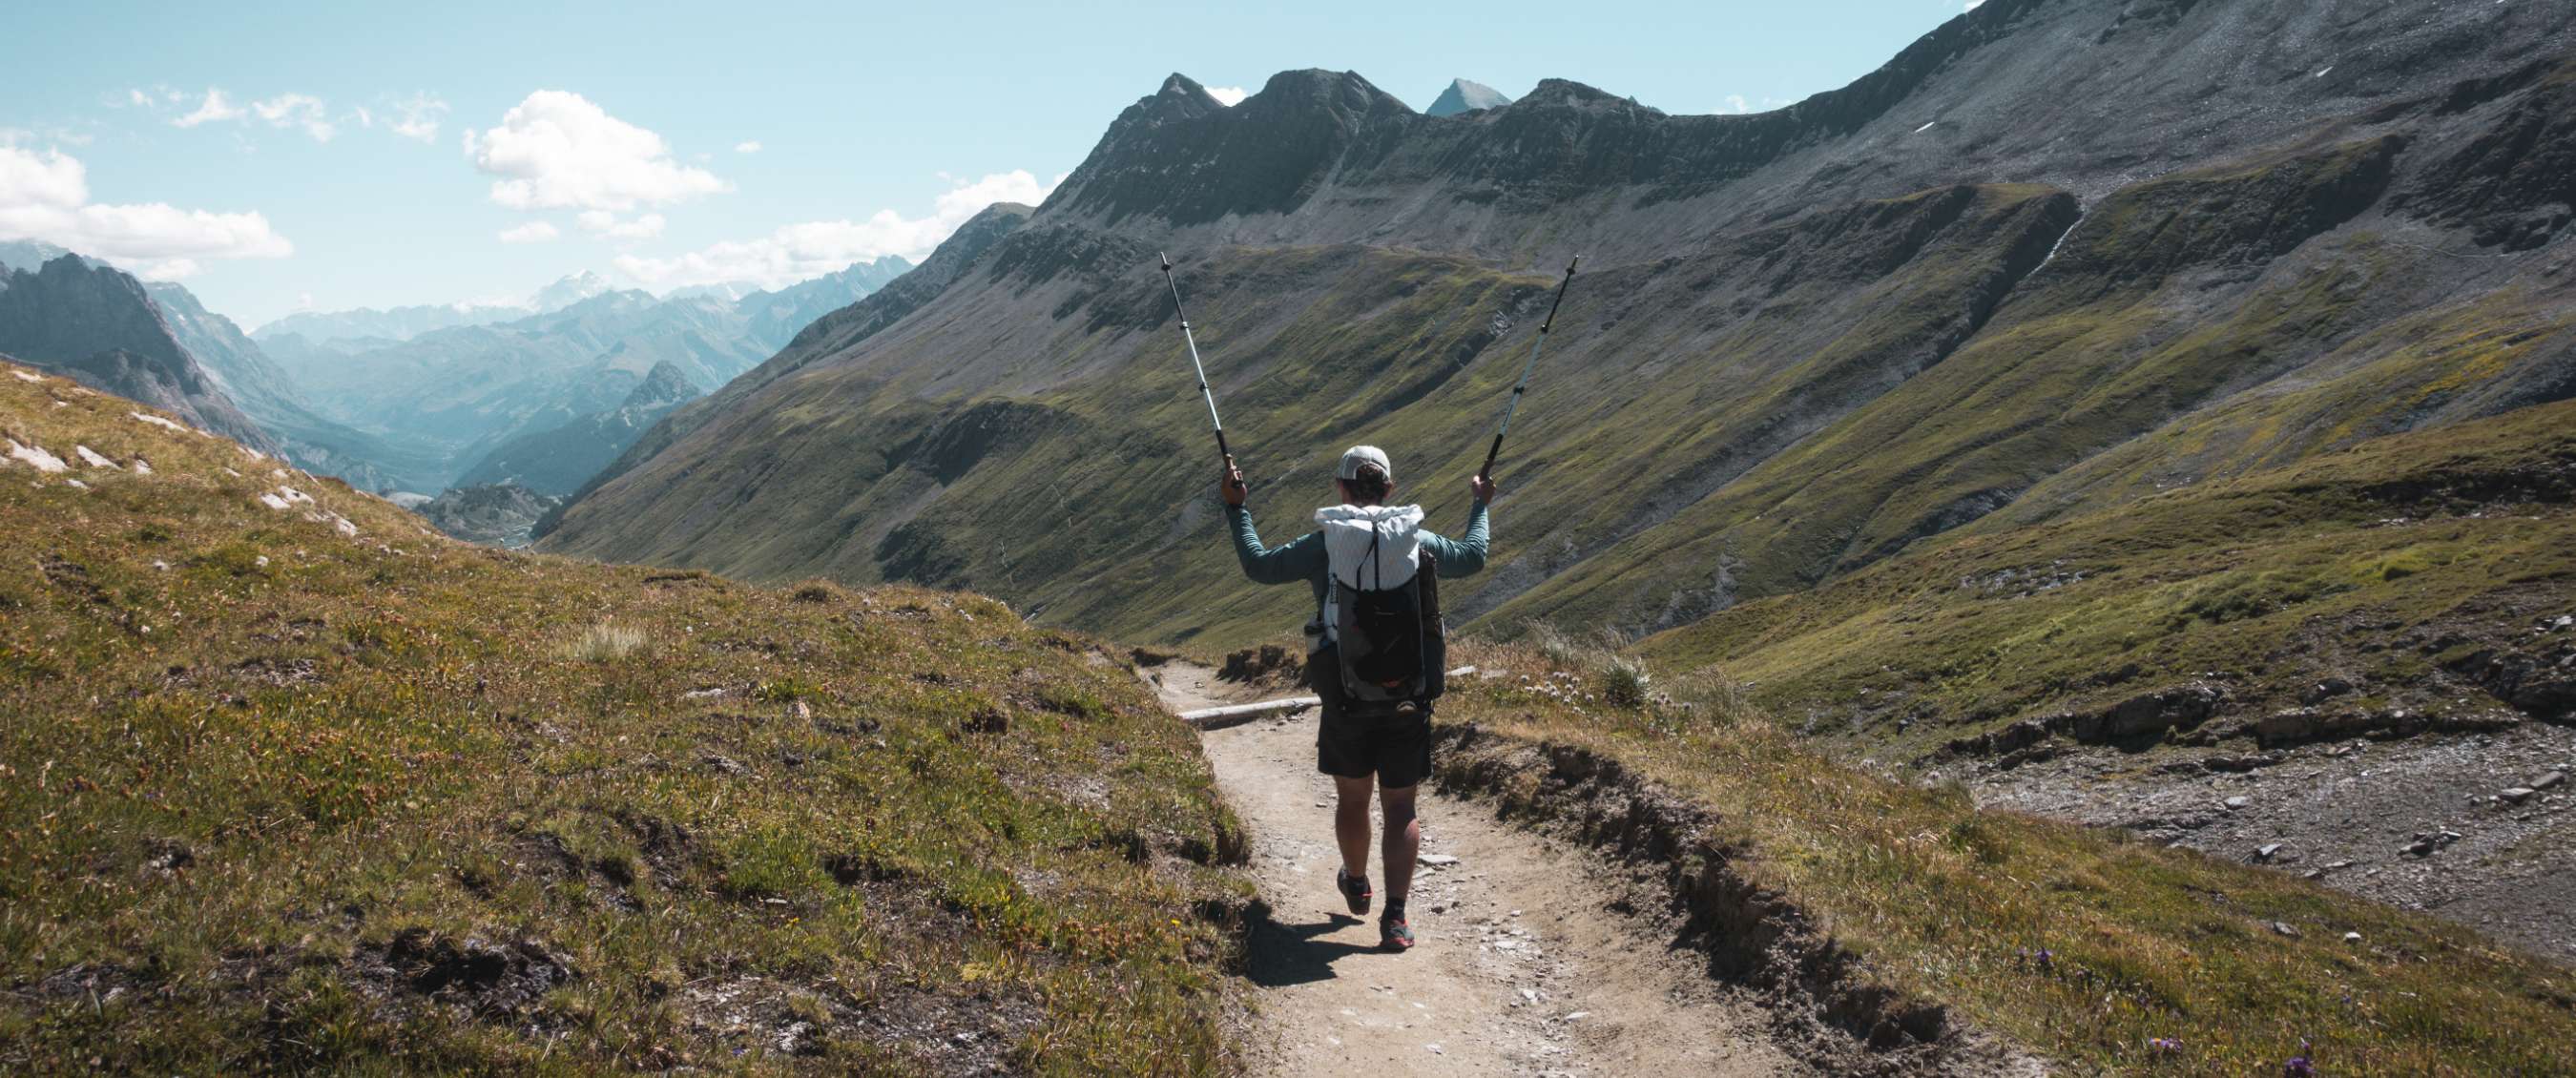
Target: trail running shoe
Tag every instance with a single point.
(1394, 934)
(1355, 890)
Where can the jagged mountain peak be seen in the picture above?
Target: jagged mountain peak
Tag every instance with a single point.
(1464, 96)
(1345, 92)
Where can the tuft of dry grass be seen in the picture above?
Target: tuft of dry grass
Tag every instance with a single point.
(604, 642)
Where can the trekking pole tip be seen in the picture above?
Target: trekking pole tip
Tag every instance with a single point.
(1167, 261)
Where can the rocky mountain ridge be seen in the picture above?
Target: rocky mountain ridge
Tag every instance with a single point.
(1758, 283)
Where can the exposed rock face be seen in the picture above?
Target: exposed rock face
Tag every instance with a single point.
(99, 325)
(495, 515)
(1464, 96)
(558, 461)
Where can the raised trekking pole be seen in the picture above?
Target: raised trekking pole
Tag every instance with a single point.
(1204, 392)
(1487, 472)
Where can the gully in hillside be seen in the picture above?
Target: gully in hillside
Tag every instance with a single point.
(1375, 653)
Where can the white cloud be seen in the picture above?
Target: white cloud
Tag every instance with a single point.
(1739, 104)
(418, 118)
(605, 224)
(138, 97)
(297, 110)
(801, 251)
(215, 109)
(303, 111)
(747, 146)
(532, 232)
(1229, 96)
(557, 150)
(45, 196)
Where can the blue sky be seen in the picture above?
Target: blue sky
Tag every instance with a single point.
(662, 145)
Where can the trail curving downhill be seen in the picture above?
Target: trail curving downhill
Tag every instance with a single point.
(1526, 964)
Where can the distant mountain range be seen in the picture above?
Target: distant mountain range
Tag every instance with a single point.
(558, 460)
(413, 398)
(405, 323)
(1465, 96)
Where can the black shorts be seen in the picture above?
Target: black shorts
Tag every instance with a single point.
(1355, 743)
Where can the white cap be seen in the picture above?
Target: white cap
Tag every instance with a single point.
(1363, 454)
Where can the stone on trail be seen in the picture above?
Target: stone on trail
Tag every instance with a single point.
(2234, 803)
(1438, 860)
(2518, 795)
(2550, 781)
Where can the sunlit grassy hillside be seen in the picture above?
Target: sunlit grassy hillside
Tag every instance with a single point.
(291, 785)
(2409, 582)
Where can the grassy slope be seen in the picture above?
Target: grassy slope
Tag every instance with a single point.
(2171, 294)
(280, 798)
(1709, 362)
(1949, 903)
(2391, 565)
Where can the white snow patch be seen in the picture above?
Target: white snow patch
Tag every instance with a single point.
(35, 455)
(160, 422)
(1925, 127)
(26, 377)
(2061, 242)
(90, 457)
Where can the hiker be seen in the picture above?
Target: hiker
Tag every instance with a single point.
(1374, 654)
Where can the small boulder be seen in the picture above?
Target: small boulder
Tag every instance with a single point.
(2235, 803)
(2518, 795)
(2550, 781)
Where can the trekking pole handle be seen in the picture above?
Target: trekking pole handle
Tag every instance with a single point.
(1487, 472)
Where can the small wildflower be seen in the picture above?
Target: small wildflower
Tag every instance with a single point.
(2165, 1044)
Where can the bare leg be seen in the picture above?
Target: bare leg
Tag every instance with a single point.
(1403, 844)
(1351, 823)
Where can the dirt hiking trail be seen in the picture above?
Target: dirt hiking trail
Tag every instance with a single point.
(1524, 967)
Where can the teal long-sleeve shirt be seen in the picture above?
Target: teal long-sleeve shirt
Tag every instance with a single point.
(1303, 558)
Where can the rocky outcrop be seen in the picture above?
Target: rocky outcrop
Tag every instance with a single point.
(498, 514)
(100, 326)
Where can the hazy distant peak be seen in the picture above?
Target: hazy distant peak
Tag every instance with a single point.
(567, 291)
(1464, 95)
